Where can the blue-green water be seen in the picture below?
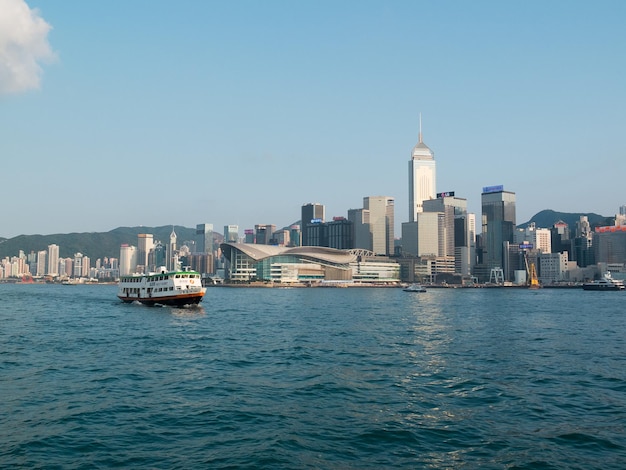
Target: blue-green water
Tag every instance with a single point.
(313, 378)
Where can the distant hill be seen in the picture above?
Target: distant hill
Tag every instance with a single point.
(92, 244)
(547, 218)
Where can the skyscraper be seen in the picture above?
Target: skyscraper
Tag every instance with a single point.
(381, 211)
(53, 260)
(498, 227)
(231, 233)
(145, 243)
(204, 238)
(311, 213)
(422, 177)
(171, 251)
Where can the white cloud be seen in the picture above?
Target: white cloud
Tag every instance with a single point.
(23, 45)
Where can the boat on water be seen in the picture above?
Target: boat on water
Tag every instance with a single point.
(605, 283)
(175, 288)
(414, 288)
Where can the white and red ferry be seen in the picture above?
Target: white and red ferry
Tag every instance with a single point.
(175, 288)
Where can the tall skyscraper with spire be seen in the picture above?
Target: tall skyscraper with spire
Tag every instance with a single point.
(422, 177)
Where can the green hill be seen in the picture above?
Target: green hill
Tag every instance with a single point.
(547, 218)
(94, 245)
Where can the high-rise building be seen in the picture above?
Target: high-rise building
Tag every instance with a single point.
(231, 233)
(498, 226)
(53, 260)
(311, 213)
(204, 238)
(361, 235)
(78, 264)
(171, 251)
(420, 238)
(145, 243)
(422, 177)
(381, 211)
(454, 233)
(263, 233)
(128, 259)
(41, 262)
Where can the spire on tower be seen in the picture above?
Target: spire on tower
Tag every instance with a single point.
(420, 134)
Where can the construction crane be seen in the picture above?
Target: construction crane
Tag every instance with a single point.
(532, 281)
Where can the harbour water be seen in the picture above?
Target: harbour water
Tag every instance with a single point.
(313, 378)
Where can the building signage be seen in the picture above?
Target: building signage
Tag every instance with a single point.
(525, 246)
(447, 194)
(316, 221)
(493, 189)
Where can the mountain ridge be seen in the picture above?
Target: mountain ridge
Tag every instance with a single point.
(107, 244)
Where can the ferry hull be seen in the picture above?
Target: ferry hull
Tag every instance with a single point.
(171, 300)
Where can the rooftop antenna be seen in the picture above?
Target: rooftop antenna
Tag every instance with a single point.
(420, 135)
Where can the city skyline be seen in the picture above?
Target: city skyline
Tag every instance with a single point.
(254, 110)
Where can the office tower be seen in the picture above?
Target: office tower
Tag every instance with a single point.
(454, 230)
(248, 235)
(361, 235)
(582, 244)
(231, 233)
(471, 230)
(422, 177)
(340, 233)
(421, 236)
(128, 259)
(86, 267)
(145, 243)
(263, 233)
(315, 233)
(53, 260)
(498, 226)
(381, 212)
(539, 238)
(171, 251)
(295, 235)
(311, 213)
(204, 238)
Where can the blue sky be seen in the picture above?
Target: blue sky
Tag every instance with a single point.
(156, 113)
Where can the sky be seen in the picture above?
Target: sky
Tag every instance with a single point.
(149, 112)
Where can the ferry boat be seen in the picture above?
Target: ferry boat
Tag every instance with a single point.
(606, 283)
(176, 288)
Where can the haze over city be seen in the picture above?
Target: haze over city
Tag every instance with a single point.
(157, 113)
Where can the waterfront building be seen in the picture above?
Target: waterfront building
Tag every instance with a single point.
(381, 216)
(306, 265)
(498, 225)
(422, 177)
(311, 213)
(53, 260)
(204, 238)
(553, 267)
(609, 244)
(231, 233)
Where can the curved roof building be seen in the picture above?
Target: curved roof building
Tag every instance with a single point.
(247, 262)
